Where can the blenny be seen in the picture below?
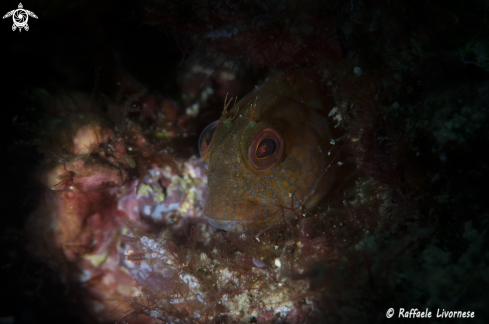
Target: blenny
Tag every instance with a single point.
(269, 155)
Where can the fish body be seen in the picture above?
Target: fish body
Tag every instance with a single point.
(268, 156)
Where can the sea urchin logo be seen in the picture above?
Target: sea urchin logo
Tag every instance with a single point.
(20, 17)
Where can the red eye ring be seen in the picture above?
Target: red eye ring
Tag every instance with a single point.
(206, 137)
(265, 151)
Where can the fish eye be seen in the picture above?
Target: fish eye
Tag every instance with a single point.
(205, 138)
(266, 149)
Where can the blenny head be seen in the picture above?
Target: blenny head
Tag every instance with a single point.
(268, 153)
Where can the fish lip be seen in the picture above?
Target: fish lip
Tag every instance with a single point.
(235, 223)
(229, 225)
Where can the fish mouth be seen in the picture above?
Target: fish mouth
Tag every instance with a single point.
(229, 225)
(238, 216)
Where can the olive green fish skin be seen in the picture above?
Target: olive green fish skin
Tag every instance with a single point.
(240, 196)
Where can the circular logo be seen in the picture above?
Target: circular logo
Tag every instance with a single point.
(20, 17)
(390, 312)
